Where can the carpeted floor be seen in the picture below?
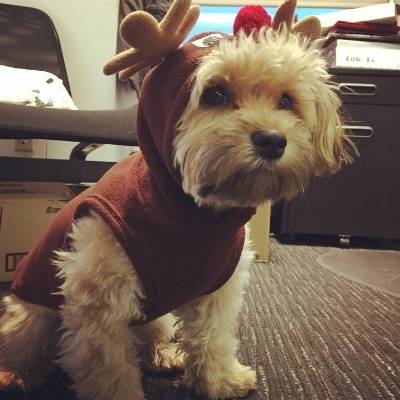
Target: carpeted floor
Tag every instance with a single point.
(309, 334)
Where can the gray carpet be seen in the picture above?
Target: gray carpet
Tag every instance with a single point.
(309, 334)
(312, 334)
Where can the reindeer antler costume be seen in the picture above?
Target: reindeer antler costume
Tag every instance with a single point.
(179, 250)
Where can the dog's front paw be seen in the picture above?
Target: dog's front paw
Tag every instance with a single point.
(167, 357)
(223, 383)
(164, 357)
(10, 382)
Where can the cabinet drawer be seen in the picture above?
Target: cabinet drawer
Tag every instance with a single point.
(363, 198)
(376, 132)
(358, 89)
(363, 122)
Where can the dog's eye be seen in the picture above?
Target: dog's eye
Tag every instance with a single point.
(215, 96)
(285, 102)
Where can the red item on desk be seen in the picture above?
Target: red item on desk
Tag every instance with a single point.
(374, 28)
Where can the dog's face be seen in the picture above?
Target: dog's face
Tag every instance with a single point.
(262, 119)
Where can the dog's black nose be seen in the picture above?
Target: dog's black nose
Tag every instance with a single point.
(269, 145)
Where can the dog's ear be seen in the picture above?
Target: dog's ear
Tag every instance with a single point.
(331, 145)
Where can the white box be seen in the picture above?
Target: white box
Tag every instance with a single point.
(387, 13)
(26, 209)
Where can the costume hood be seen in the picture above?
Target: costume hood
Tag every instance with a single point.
(164, 97)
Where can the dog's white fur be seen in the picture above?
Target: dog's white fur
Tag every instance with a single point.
(96, 344)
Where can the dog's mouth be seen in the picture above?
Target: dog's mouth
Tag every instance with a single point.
(249, 188)
(230, 185)
(207, 190)
(243, 188)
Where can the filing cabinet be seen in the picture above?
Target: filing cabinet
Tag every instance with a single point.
(363, 199)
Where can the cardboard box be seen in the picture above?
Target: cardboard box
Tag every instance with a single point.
(259, 231)
(26, 209)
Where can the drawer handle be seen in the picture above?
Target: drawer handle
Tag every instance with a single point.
(358, 89)
(358, 131)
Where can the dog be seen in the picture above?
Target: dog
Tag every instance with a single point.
(225, 124)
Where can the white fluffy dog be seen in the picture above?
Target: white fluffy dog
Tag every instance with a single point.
(261, 118)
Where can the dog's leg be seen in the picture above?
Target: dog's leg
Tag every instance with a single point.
(28, 336)
(102, 296)
(159, 350)
(208, 339)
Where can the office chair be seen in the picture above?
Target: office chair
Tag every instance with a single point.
(28, 40)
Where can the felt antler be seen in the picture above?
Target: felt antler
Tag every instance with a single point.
(150, 40)
(310, 26)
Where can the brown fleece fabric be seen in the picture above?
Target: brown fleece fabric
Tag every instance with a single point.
(180, 251)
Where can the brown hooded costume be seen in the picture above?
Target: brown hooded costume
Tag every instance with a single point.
(179, 251)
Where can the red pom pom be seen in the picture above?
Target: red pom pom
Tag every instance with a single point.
(250, 18)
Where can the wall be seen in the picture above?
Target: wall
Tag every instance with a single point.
(220, 18)
(300, 3)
